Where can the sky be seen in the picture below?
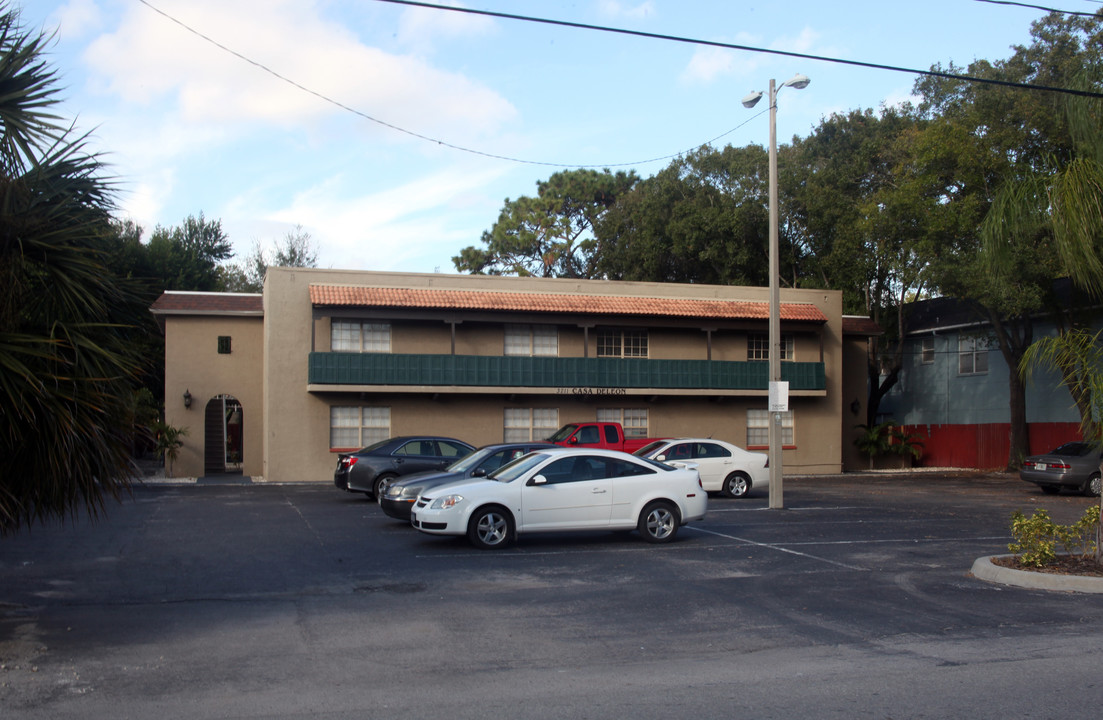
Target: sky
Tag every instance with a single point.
(393, 135)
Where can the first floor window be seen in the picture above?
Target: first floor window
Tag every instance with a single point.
(972, 356)
(352, 426)
(758, 428)
(622, 343)
(530, 424)
(758, 346)
(356, 336)
(633, 420)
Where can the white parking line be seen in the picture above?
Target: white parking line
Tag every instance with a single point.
(771, 546)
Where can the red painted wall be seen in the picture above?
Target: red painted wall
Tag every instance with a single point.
(984, 446)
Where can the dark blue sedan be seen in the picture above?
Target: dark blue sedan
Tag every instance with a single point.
(399, 496)
(371, 469)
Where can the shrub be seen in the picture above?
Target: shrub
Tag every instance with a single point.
(1037, 537)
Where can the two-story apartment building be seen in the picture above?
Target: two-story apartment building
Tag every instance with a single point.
(953, 390)
(275, 385)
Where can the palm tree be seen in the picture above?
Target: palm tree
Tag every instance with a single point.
(65, 369)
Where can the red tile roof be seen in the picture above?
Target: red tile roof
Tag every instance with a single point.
(175, 302)
(358, 296)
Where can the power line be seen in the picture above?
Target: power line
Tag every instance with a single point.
(748, 48)
(563, 23)
(437, 141)
(1039, 7)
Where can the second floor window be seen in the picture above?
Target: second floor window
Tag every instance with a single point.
(356, 336)
(622, 343)
(758, 346)
(532, 340)
(972, 356)
(926, 350)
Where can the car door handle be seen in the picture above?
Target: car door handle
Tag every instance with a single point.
(598, 491)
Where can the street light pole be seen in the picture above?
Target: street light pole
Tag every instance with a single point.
(775, 391)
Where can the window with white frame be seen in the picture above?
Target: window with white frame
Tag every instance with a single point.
(621, 343)
(357, 336)
(972, 356)
(530, 424)
(758, 428)
(532, 340)
(355, 426)
(758, 346)
(633, 420)
(926, 350)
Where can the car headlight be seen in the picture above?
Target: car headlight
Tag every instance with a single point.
(395, 491)
(448, 501)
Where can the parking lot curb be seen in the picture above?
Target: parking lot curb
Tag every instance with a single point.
(985, 569)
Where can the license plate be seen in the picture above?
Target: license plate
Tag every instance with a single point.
(1039, 466)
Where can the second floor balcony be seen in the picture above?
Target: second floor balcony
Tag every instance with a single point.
(338, 370)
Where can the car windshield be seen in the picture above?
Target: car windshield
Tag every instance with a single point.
(650, 448)
(660, 465)
(563, 433)
(513, 470)
(1073, 449)
(469, 461)
(375, 446)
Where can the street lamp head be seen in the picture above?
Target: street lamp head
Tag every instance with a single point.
(752, 99)
(798, 81)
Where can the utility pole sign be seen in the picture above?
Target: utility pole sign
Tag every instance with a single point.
(779, 396)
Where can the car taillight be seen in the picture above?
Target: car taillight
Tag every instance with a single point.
(699, 483)
(1058, 466)
(348, 462)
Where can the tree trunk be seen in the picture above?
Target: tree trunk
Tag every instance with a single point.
(1014, 336)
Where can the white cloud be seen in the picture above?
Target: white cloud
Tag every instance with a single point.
(419, 28)
(617, 9)
(152, 62)
(711, 63)
(416, 226)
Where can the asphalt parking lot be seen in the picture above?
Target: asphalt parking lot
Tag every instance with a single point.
(298, 601)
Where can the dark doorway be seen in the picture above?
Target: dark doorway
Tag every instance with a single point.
(222, 437)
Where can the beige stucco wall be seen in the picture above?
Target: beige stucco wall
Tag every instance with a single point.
(296, 421)
(193, 364)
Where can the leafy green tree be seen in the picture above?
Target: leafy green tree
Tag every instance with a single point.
(864, 230)
(552, 234)
(701, 219)
(67, 371)
(1060, 199)
(186, 257)
(1012, 143)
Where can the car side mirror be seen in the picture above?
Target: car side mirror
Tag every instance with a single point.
(479, 472)
(538, 480)
(573, 440)
(661, 458)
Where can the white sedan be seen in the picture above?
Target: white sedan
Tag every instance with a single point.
(565, 489)
(723, 467)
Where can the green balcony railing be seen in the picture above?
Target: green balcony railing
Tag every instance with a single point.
(337, 368)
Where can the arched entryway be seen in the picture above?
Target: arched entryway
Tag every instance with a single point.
(222, 436)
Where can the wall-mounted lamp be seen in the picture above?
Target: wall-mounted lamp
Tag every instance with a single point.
(187, 398)
(855, 406)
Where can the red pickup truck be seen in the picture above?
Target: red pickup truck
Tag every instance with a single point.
(607, 435)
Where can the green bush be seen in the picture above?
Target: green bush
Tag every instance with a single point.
(1037, 537)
